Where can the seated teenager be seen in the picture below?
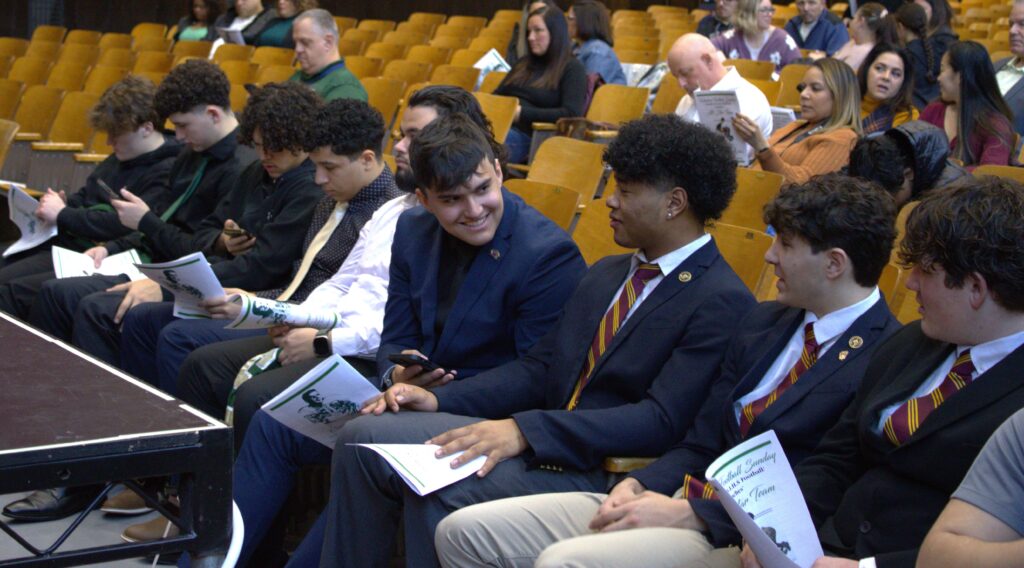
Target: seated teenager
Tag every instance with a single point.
(886, 82)
(141, 162)
(907, 161)
(971, 109)
(286, 119)
(982, 525)
(816, 28)
(912, 25)
(591, 30)
(820, 142)
(931, 393)
(356, 292)
(781, 372)
(623, 371)
(754, 37)
(871, 26)
(548, 81)
(272, 200)
(477, 277)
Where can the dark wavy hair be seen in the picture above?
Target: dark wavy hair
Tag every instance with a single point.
(448, 152)
(194, 83)
(125, 106)
(664, 151)
(942, 15)
(972, 227)
(903, 99)
(980, 98)
(284, 113)
(880, 159)
(592, 21)
(349, 127)
(545, 71)
(914, 18)
(839, 211)
(447, 100)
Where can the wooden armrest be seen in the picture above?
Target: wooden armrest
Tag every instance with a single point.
(602, 134)
(89, 158)
(5, 186)
(28, 137)
(519, 167)
(544, 126)
(58, 146)
(626, 465)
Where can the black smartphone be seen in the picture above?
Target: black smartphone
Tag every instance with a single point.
(408, 360)
(106, 189)
(239, 232)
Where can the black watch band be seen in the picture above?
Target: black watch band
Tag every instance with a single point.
(322, 346)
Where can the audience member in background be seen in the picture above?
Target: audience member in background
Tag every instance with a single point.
(320, 65)
(821, 140)
(719, 20)
(870, 26)
(1010, 70)
(590, 28)
(940, 25)
(816, 28)
(754, 37)
(246, 16)
(970, 108)
(141, 161)
(912, 23)
(835, 237)
(693, 61)
(934, 390)
(278, 32)
(518, 46)
(198, 24)
(982, 526)
(886, 81)
(907, 161)
(549, 82)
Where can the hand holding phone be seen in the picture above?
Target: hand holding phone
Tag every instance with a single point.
(234, 232)
(410, 359)
(111, 194)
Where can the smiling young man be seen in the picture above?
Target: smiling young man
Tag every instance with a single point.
(834, 238)
(320, 66)
(141, 161)
(936, 390)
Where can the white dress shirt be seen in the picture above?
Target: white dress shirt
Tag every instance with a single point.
(666, 264)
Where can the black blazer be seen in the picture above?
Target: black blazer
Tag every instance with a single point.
(869, 498)
(800, 417)
(647, 387)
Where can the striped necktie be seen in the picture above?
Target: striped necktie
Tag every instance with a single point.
(908, 417)
(610, 324)
(807, 358)
(694, 488)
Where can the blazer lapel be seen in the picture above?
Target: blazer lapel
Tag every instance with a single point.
(426, 274)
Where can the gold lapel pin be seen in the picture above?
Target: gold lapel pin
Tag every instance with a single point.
(495, 254)
(685, 276)
(843, 354)
(856, 342)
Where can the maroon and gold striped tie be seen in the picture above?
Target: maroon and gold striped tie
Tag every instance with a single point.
(908, 418)
(807, 358)
(610, 324)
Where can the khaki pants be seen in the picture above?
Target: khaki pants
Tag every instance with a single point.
(551, 530)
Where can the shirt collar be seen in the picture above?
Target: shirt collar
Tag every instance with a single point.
(302, 169)
(987, 355)
(223, 148)
(668, 262)
(836, 323)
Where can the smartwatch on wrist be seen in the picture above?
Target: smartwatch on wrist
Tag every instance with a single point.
(322, 345)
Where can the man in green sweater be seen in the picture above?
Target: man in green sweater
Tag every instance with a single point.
(316, 48)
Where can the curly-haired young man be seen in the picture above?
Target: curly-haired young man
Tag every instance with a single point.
(141, 161)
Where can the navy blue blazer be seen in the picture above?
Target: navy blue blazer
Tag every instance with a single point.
(647, 387)
(828, 35)
(800, 417)
(871, 499)
(514, 291)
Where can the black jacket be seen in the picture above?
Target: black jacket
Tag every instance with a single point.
(250, 32)
(932, 167)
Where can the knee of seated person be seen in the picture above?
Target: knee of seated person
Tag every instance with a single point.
(364, 429)
(565, 554)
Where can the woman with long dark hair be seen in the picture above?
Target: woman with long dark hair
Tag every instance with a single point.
(912, 24)
(886, 83)
(198, 24)
(590, 28)
(871, 25)
(518, 46)
(971, 110)
(549, 82)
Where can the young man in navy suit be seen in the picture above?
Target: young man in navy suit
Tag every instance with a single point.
(835, 234)
(476, 278)
(622, 372)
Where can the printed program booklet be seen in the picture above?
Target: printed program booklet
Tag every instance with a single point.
(68, 263)
(190, 279)
(34, 232)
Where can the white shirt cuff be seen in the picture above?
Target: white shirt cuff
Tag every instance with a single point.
(867, 563)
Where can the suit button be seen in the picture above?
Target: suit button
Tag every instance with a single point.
(865, 527)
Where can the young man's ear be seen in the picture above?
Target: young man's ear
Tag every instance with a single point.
(497, 171)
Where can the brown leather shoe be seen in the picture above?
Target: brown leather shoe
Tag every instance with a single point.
(126, 503)
(156, 529)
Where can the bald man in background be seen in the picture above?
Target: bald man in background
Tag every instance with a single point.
(694, 61)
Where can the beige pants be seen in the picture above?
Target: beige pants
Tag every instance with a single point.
(551, 530)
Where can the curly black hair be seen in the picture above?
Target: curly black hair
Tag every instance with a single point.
(839, 211)
(194, 83)
(665, 151)
(974, 226)
(349, 127)
(448, 152)
(284, 113)
(882, 160)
